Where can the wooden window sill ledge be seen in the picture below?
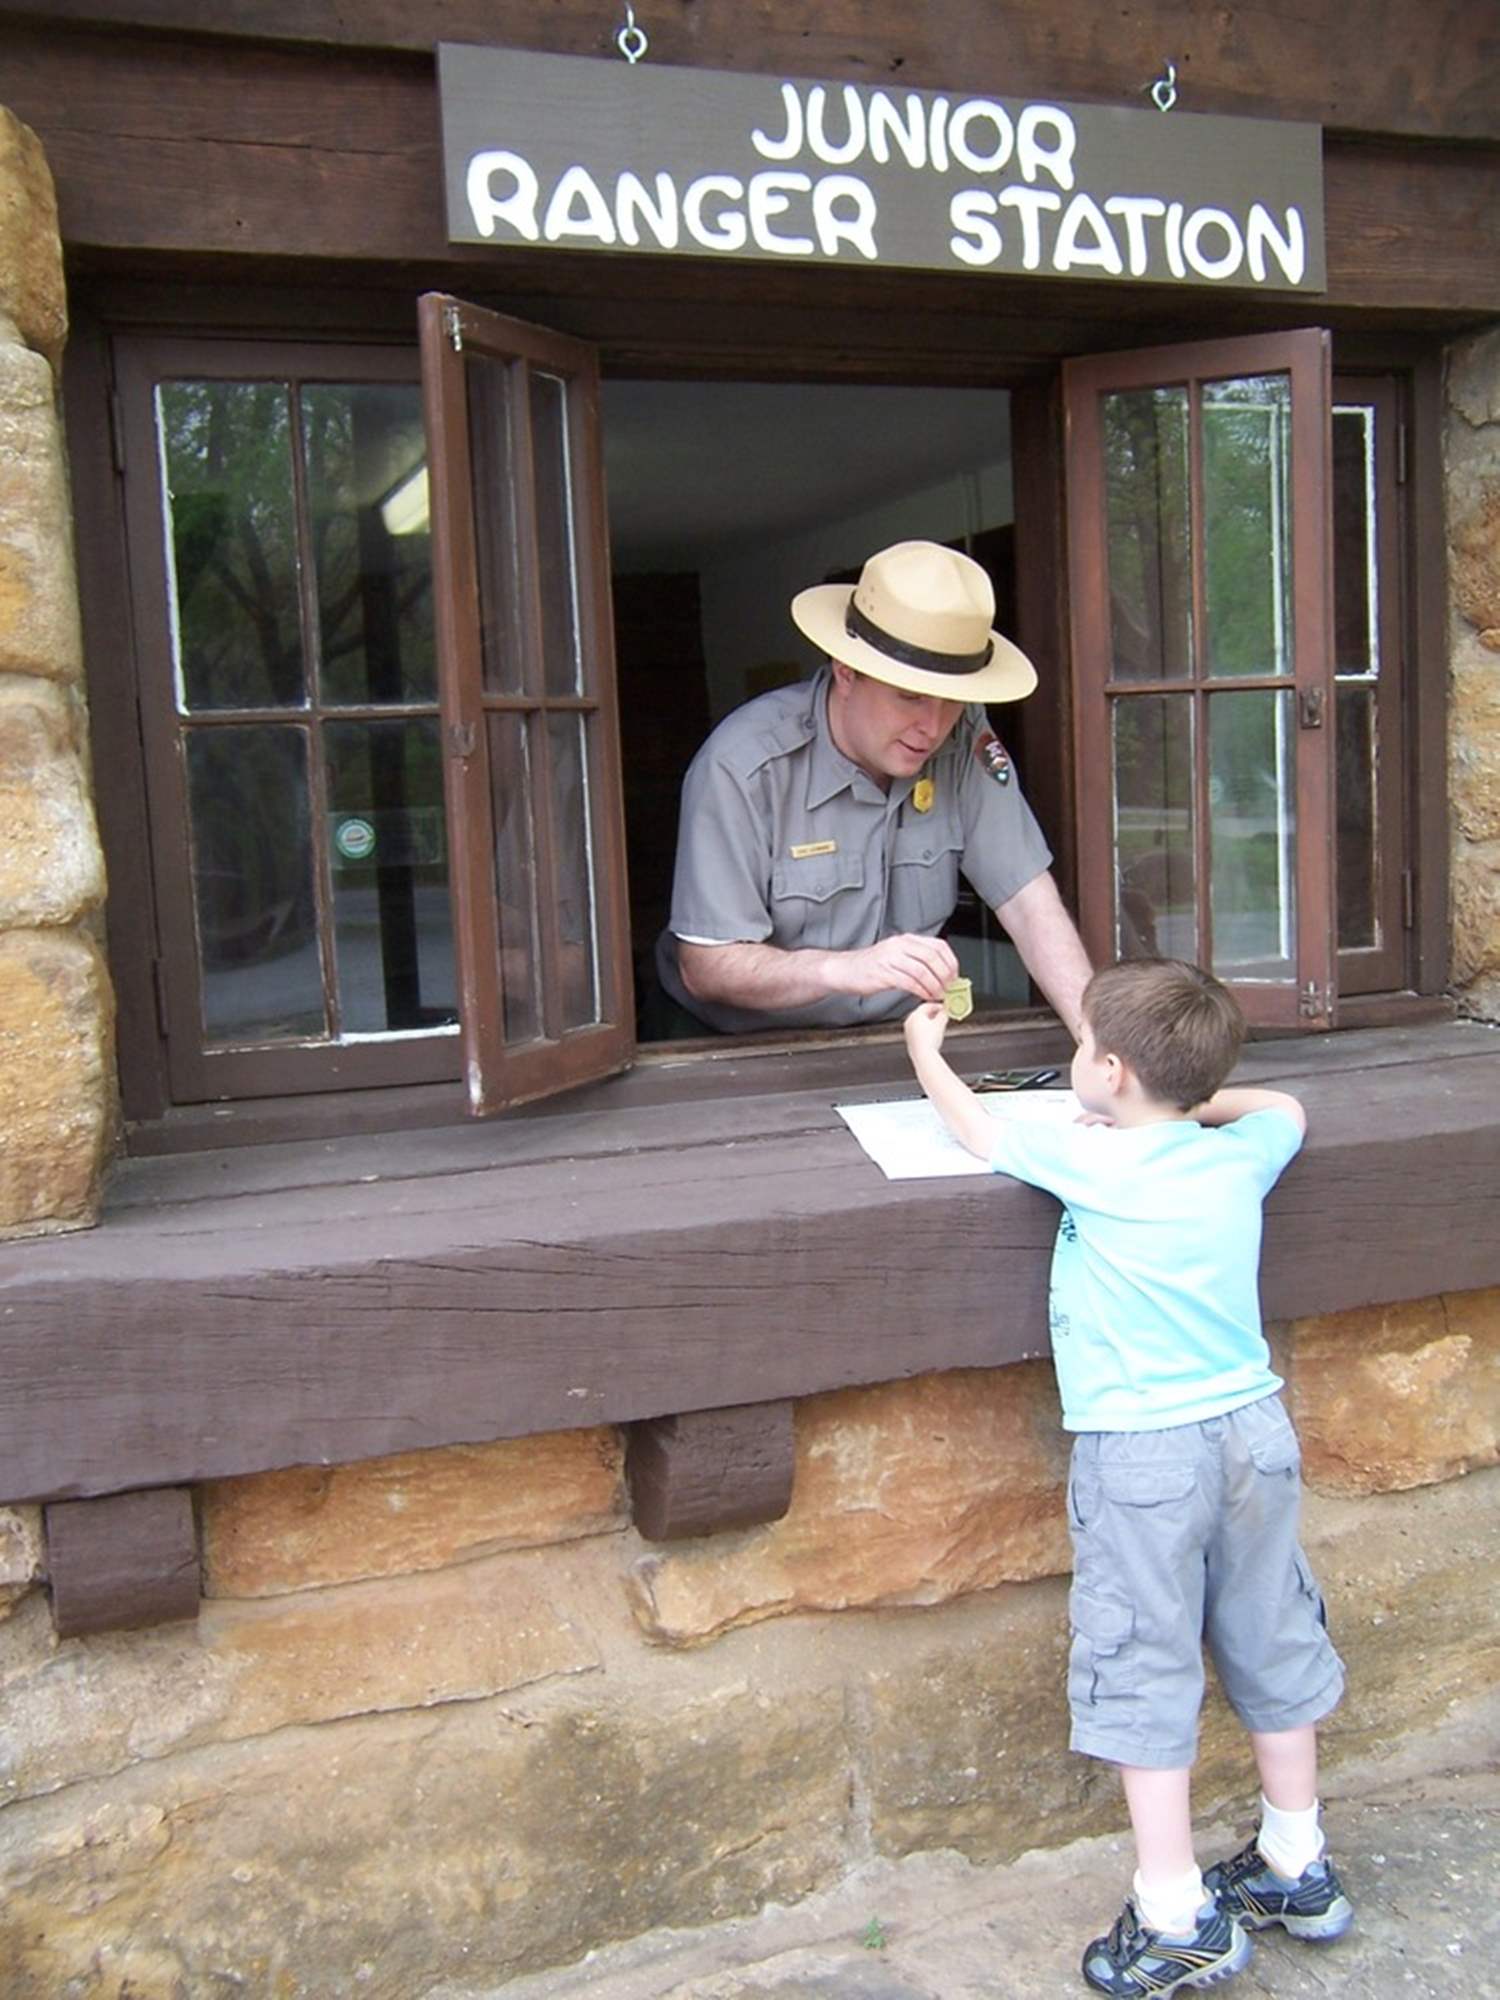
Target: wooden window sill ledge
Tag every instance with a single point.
(331, 1301)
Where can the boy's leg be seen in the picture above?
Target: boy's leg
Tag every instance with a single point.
(1287, 1760)
(1135, 1683)
(1266, 1630)
(1172, 1934)
(1168, 1885)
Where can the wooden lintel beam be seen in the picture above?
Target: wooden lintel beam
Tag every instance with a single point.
(707, 1470)
(126, 1560)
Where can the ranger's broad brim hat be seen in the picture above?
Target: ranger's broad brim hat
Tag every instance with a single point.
(920, 618)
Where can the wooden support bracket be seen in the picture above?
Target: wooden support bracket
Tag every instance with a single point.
(710, 1469)
(123, 1560)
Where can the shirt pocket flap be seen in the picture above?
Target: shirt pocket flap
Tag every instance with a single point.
(814, 878)
(1146, 1485)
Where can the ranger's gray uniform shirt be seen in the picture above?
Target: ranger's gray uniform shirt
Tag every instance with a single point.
(784, 841)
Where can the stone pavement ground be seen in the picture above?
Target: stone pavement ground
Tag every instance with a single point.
(1416, 1837)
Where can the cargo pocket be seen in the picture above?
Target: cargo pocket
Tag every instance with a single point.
(1307, 1586)
(1099, 1659)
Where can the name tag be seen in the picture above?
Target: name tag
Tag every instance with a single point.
(811, 847)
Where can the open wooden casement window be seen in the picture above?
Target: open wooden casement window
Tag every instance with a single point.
(527, 694)
(1201, 593)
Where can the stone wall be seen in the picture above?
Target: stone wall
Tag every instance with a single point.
(1472, 464)
(56, 1081)
(445, 1718)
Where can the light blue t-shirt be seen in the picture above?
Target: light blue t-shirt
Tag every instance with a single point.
(1155, 1301)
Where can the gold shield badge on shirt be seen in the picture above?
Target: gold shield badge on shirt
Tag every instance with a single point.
(923, 792)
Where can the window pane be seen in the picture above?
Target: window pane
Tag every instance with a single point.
(1247, 541)
(1147, 518)
(1155, 897)
(497, 546)
(226, 465)
(1358, 850)
(576, 919)
(556, 559)
(1354, 579)
(1357, 667)
(393, 934)
(366, 464)
(1252, 835)
(515, 877)
(262, 977)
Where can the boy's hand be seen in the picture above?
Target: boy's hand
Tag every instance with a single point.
(926, 1026)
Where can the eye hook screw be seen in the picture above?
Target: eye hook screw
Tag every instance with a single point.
(1164, 90)
(631, 40)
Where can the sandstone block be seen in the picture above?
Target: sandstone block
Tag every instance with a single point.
(56, 1097)
(51, 867)
(968, 1747)
(1474, 379)
(21, 1561)
(80, 1710)
(1476, 912)
(1475, 551)
(32, 294)
(39, 629)
(310, 1525)
(1395, 1396)
(908, 1493)
(1474, 749)
(383, 1856)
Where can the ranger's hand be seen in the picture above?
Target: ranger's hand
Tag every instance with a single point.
(905, 963)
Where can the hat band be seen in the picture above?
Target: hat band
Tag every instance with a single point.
(900, 650)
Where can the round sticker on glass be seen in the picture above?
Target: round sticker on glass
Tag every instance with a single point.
(355, 839)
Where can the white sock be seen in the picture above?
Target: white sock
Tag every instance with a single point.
(1171, 1906)
(1290, 1841)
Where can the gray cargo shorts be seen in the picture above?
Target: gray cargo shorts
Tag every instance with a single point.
(1181, 1537)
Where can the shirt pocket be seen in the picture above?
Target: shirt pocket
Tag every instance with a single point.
(811, 901)
(924, 878)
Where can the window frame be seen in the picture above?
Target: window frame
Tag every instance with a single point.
(500, 1071)
(1304, 355)
(196, 1070)
(106, 307)
(1385, 966)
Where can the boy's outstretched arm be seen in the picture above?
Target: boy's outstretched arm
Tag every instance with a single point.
(957, 1106)
(1240, 1100)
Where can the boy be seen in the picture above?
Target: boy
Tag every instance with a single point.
(1184, 1488)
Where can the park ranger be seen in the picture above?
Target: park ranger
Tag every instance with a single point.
(824, 825)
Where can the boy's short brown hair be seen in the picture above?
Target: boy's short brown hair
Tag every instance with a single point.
(1176, 1026)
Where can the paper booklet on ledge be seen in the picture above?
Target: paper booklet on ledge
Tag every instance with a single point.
(908, 1141)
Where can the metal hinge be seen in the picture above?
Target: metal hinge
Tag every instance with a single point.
(1408, 899)
(454, 326)
(1315, 1002)
(1400, 454)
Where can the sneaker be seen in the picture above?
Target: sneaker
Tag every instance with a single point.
(1249, 1889)
(1133, 1961)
